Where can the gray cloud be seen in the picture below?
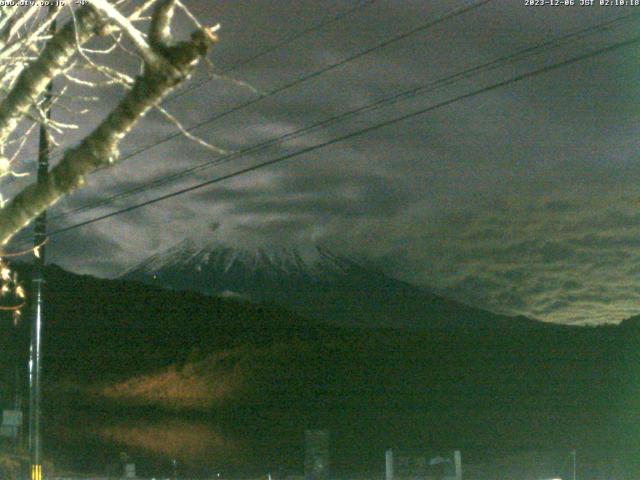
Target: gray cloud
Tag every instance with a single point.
(521, 200)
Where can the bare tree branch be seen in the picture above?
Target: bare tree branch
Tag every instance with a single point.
(100, 148)
(160, 31)
(146, 52)
(34, 79)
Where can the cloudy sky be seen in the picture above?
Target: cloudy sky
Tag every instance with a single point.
(523, 199)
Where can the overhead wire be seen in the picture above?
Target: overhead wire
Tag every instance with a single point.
(283, 43)
(300, 80)
(380, 103)
(245, 61)
(385, 43)
(360, 132)
(277, 46)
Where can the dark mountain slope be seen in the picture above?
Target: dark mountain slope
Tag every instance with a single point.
(318, 284)
(224, 384)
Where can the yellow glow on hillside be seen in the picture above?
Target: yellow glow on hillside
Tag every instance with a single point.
(197, 385)
(188, 442)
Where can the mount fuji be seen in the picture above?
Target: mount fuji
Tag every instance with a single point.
(317, 284)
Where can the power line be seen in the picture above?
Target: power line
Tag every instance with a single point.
(425, 26)
(241, 63)
(273, 48)
(518, 78)
(313, 28)
(449, 15)
(388, 100)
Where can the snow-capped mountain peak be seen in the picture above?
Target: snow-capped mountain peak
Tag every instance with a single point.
(265, 260)
(314, 282)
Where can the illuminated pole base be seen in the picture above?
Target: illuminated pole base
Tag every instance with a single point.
(36, 472)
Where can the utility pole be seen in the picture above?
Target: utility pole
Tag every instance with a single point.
(35, 351)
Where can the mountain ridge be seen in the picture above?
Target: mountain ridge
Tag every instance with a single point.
(316, 283)
(127, 363)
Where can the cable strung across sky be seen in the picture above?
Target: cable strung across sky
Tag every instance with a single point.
(508, 201)
(240, 63)
(299, 81)
(357, 133)
(450, 14)
(375, 105)
(284, 43)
